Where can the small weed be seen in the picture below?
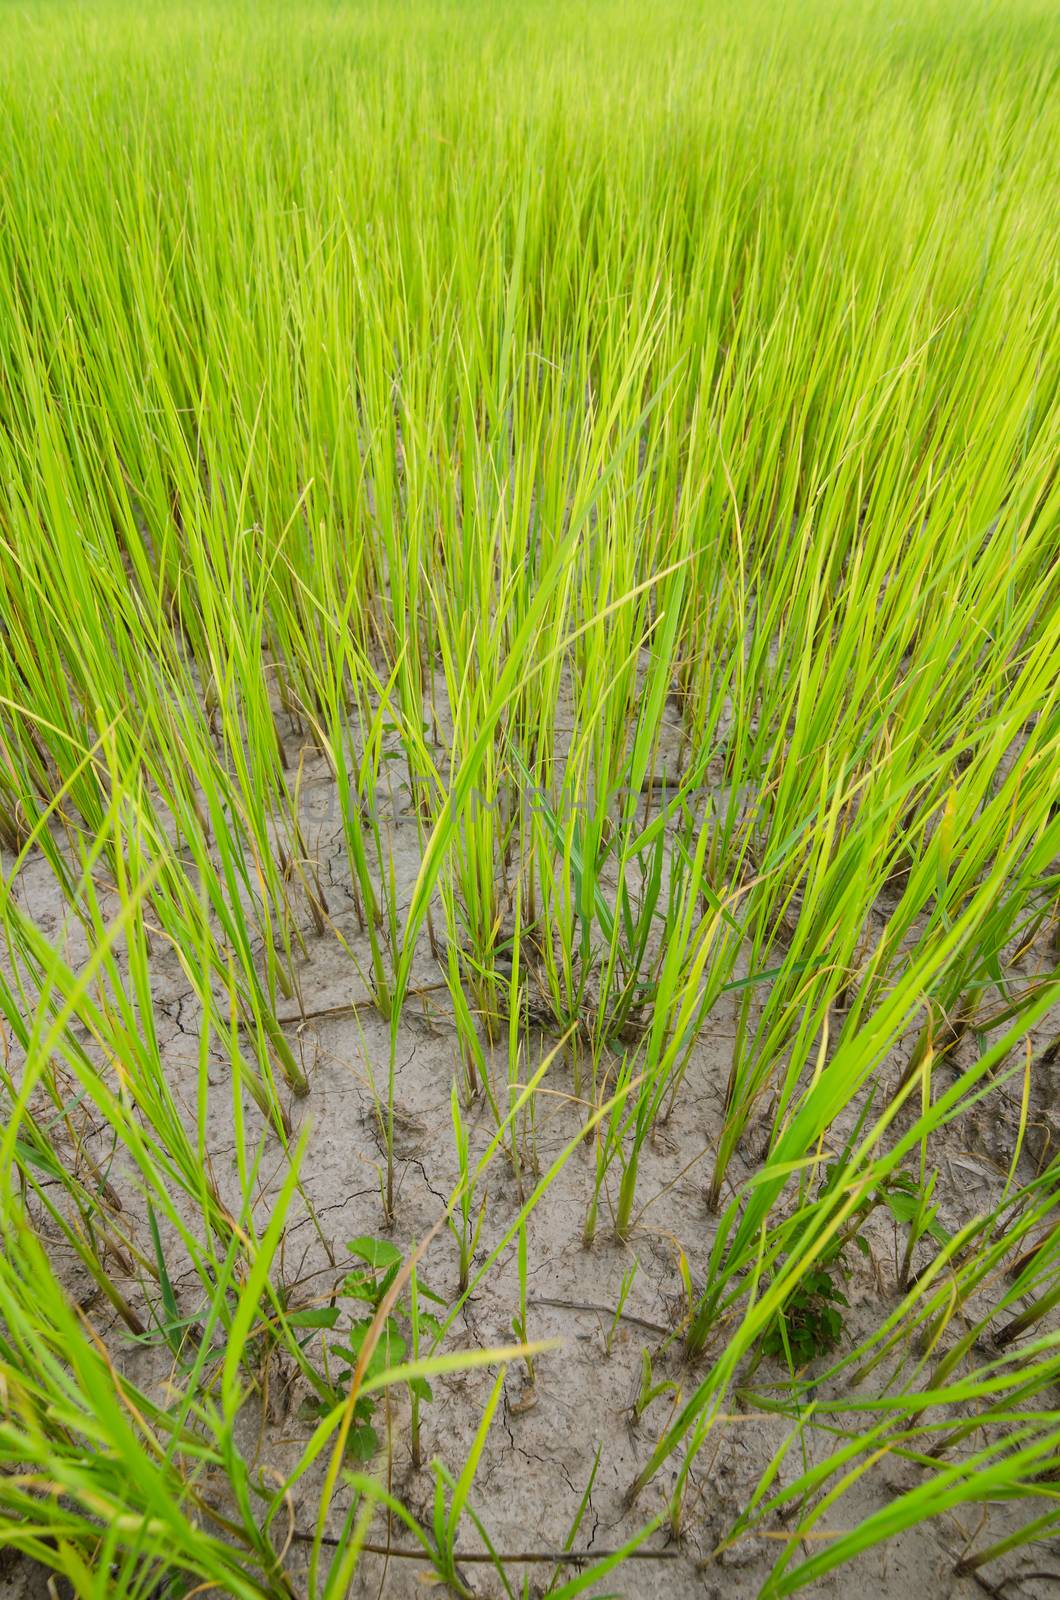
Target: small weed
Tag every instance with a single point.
(811, 1322)
(366, 1284)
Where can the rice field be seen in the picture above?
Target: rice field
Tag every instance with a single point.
(529, 799)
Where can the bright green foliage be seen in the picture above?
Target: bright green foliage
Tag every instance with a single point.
(379, 1263)
(619, 443)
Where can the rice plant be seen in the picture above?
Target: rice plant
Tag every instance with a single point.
(529, 795)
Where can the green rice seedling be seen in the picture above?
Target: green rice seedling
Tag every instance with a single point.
(623, 1294)
(689, 985)
(519, 1321)
(579, 1515)
(1038, 1528)
(515, 1030)
(466, 1223)
(420, 1323)
(611, 1129)
(650, 1388)
(476, 1068)
(357, 782)
(447, 1518)
(602, 1112)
